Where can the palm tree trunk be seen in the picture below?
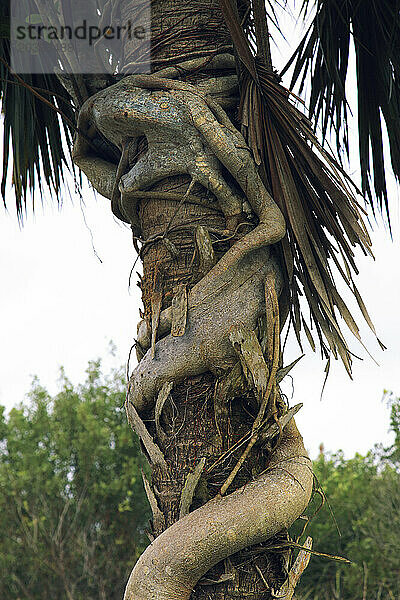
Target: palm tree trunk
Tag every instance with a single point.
(194, 425)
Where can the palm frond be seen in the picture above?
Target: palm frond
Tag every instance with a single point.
(32, 130)
(324, 221)
(323, 55)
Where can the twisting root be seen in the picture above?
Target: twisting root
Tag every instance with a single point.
(173, 564)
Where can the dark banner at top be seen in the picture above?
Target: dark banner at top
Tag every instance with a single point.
(71, 36)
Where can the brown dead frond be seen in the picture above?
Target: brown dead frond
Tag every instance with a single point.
(324, 221)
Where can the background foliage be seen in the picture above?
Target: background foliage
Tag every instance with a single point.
(72, 507)
(364, 495)
(73, 511)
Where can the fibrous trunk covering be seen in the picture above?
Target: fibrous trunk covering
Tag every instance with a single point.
(229, 469)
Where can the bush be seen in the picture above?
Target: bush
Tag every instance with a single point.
(72, 506)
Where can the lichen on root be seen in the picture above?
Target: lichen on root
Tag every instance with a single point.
(172, 565)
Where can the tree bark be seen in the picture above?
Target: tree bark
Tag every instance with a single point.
(194, 426)
(195, 423)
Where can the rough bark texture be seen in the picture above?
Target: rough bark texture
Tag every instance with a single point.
(212, 263)
(180, 556)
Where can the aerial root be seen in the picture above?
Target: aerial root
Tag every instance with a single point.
(177, 559)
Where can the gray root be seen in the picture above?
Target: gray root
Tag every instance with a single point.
(234, 298)
(187, 132)
(173, 564)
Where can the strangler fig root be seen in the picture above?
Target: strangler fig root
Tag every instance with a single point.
(173, 564)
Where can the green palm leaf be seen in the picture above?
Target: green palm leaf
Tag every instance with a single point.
(33, 132)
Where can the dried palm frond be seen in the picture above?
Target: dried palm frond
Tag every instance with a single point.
(324, 221)
(323, 55)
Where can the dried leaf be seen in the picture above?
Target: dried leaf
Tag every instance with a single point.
(179, 311)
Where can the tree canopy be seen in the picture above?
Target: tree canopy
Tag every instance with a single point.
(72, 505)
(359, 520)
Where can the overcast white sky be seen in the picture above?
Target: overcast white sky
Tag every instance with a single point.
(61, 306)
